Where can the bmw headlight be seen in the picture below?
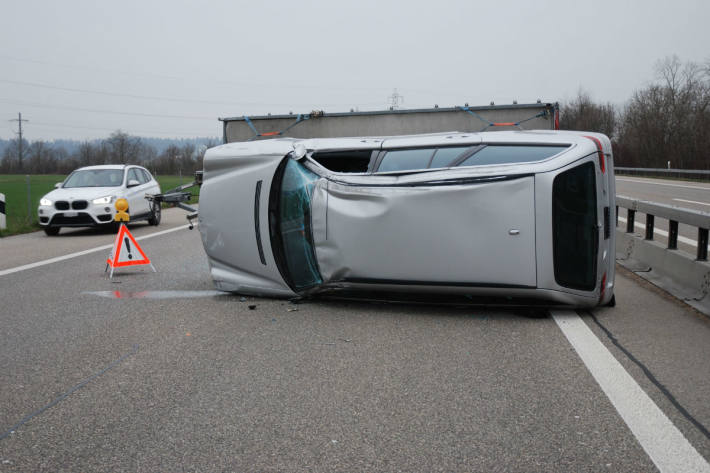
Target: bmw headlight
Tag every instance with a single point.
(45, 201)
(104, 200)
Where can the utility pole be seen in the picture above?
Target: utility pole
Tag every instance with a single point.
(19, 120)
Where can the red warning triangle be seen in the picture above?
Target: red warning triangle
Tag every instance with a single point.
(126, 251)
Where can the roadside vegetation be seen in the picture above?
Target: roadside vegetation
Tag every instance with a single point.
(14, 186)
(665, 124)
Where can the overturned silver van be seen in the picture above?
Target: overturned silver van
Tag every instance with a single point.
(512, 215)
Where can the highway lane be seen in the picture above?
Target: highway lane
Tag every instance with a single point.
(690, 195)
(207, 384)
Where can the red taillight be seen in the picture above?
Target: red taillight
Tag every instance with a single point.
(600, 152)
(603, 288)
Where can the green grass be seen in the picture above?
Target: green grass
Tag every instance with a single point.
(14, 186)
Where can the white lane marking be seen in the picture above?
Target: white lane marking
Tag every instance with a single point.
(24, 267)
(663, 233)
(669, 450)
(662, 184)
(692, 201)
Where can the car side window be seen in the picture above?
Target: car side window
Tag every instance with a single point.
(406, 159)
(508, 154)
(144, 176)
(444, 157)
(133, 175)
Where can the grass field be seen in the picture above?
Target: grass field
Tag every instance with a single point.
(14, 186)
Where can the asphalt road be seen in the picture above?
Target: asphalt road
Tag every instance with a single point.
(157, 372)
(690, 195)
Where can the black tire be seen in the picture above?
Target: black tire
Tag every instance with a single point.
(157, 214)
(52, 231)
(612, 301)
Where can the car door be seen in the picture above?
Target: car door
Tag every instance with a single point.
(137, 204)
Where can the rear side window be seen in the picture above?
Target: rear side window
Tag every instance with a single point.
(574, 228)
(406, 159)
(146, 176)
(445, 156)
(134, 175)
(422, 158)
(508, 154)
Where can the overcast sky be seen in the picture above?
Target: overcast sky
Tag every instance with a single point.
(82, 69)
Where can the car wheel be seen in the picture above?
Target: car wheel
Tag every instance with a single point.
(52, 231)
(157, 213)
(612, 301)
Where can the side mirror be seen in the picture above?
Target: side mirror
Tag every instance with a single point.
(57, 185)
(132, 183)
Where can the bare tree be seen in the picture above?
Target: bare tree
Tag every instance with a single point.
(581, 113)
(123, 148)
(669, 120)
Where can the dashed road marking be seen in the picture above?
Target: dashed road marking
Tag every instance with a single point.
(692, 201)
(667, 447)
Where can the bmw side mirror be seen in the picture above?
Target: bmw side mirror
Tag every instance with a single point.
(57, 185)
(132, 183)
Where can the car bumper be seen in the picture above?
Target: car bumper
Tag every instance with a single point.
(91, 216)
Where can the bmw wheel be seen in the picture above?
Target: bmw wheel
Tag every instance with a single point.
(52, 231)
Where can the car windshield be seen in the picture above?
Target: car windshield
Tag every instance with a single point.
(95, 178)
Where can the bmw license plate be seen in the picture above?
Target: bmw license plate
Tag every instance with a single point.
(71, 214)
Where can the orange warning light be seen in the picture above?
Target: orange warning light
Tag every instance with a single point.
(121, 211)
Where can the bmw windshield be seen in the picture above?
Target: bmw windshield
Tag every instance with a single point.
(95, 178)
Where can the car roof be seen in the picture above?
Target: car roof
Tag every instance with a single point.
(106, 166)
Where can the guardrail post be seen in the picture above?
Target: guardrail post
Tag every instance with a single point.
(3, 222)
(649, 227)
(630, 214)
(702, 244)
(672, 234)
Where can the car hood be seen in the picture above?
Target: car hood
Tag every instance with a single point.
(79, 193)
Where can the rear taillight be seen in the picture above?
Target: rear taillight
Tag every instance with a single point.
(600, 152)
(603, 288)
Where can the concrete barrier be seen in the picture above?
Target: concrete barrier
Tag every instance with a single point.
(684, 276)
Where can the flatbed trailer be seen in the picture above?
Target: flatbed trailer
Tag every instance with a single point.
(319, 124)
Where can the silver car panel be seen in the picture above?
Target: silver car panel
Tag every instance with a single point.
(478, 230)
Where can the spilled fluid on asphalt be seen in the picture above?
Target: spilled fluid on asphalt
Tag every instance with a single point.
(155, 294)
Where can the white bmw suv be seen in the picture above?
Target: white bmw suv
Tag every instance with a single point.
(86, 198)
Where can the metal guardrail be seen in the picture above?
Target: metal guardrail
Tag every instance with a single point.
(687, 173)
(674, 215)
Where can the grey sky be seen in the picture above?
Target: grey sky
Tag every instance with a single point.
(191, 62)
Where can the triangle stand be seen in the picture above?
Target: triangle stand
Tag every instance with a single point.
(126, 252)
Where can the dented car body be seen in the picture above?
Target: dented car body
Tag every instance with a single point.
(513, 216)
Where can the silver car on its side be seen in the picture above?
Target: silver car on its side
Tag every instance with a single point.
(514, 216)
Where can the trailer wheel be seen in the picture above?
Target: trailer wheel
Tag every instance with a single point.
(157, 214)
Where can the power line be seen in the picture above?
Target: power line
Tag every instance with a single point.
(146, 97)
(57, 125)
(288, 85)
(110, 112)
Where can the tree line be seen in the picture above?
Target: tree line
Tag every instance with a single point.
(666, 124)
(42, 157)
